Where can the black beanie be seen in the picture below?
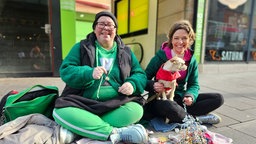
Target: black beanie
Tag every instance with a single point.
(103, 13)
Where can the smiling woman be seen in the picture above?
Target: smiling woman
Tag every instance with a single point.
(105, 29)
(101, 71)
(180, 38)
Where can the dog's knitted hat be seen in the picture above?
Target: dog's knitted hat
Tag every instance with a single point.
(103, 13)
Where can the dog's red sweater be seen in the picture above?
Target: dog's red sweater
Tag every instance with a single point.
(167, 75)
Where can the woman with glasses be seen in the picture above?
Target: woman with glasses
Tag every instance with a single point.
(180, 38)
(104, 81)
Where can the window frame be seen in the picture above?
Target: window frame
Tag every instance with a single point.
(129, 33)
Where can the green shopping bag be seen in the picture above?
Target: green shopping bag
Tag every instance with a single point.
(36, 99)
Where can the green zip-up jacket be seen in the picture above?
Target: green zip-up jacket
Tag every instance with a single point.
(77, 68)
(188, 86)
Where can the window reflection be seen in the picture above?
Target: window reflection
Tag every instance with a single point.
(21, 28)
(227, 33)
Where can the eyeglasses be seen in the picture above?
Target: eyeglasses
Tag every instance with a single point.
(103, 25)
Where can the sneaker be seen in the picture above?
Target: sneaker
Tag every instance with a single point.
(66, 136)
(131, 134)
(209, 119)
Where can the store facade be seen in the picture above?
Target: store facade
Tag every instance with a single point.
(26, 38)
(230, 31)
(35, 36)
(227, 33)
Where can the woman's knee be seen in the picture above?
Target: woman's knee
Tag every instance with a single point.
(133, 107)
(167, 105)
(220, 98)
(174, 111)
(170, 107)
(125, 115)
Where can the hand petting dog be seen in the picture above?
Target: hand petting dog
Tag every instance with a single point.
(158, 87)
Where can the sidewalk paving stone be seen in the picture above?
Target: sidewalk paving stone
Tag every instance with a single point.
(246, 127)
(243, 102)
(237, 136)
(238, 112)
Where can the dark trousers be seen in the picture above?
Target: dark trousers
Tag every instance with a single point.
(174, 110)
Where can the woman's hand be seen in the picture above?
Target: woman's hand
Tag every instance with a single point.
(188, 100)
(126, 88)
(158, 87)
(98, 72)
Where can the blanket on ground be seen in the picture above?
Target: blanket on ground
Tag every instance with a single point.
(30, 129)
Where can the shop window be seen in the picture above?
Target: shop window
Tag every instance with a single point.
(252, 49)
(132, 16)
(227, 32)
(24, 25)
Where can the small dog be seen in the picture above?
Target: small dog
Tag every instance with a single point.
(167, 74)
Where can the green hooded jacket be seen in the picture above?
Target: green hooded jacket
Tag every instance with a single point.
(188, 86)
(77, 68)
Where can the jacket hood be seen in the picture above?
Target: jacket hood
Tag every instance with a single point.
(164, 45)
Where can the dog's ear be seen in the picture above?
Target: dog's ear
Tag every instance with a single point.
(174, 59)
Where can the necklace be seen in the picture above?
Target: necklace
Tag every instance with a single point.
(109, 70)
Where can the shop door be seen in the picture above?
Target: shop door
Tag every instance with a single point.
(25, 38)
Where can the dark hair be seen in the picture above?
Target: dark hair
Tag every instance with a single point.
(182, 24)
(103, 13)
